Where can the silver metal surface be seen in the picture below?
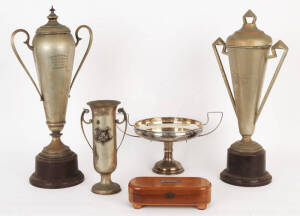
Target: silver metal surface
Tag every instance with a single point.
(169, 130)
(104, 141)
(248, 51)
(53, 50)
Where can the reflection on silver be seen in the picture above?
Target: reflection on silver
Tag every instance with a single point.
(169, 130)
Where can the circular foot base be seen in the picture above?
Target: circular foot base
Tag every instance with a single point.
(56, 172)
(168, 167)
(106, 189)
(246, 181)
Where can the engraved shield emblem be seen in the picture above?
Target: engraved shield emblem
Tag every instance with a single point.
(102, 135)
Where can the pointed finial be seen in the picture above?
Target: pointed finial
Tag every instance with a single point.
(249, 13)
(52, 9)
(52, 16)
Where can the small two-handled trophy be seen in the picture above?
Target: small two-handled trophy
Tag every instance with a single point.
(104, 142)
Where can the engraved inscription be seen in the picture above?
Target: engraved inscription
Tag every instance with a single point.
(59, 61)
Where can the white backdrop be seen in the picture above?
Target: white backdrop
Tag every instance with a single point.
(156, 58)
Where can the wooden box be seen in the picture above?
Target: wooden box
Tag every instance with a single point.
(177, 191)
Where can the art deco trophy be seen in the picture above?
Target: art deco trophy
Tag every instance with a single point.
(53, 49)
(104, 142)
(248, 51)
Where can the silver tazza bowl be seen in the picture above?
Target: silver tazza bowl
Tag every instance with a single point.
(169, 130)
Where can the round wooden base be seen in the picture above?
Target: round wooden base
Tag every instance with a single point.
(56, 172)
(246, 169)
(246, 182)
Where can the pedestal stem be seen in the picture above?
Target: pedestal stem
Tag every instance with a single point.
(246, 138)
(106, 179)
(56, 142)
(168, 165)
(56, 147)
(168, 148)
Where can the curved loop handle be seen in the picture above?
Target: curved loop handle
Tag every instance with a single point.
(278, 45)
(86, 52)
(121, 110)
(219, 41)
(132, 125)
(12, 40)
(208, 121)
(87, 122)
(249, 13)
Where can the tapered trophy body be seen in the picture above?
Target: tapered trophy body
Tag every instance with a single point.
(53, 50)
(248, 50)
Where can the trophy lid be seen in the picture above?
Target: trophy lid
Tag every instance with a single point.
(249, 35)
(53, 27)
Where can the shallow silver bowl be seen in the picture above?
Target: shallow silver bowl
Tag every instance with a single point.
(168, 129)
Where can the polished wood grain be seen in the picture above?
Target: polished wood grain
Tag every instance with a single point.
(56, 172)
(163, 191)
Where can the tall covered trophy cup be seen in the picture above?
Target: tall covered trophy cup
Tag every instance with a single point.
(104, 142)
(248, 51)
(53, 50)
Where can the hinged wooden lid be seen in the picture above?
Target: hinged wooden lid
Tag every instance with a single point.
(169, 183)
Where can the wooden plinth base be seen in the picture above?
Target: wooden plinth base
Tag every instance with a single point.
(246, 169)
(56, 172)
